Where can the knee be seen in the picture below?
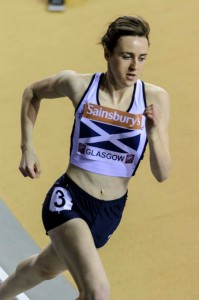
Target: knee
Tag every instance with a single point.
(43, 269)
(98, 292)
(102, 292)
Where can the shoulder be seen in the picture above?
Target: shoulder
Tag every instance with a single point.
(73, 77)
(75, 83)
(159, 97)
(156, 95)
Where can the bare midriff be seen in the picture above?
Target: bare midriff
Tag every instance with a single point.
(99, 186)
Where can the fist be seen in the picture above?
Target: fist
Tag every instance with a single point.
(152, 115)
(29, 165)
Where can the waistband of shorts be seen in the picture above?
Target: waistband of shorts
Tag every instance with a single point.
(68, 181)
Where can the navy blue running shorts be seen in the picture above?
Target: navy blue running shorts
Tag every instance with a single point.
(66, 201)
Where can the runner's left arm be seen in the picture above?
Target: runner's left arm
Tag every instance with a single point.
(157, 120)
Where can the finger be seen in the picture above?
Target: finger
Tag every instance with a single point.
(30, 172)
(23, 172)
(151, 113)
(147, 111)
(150, 116)
(37, 169)
(22, 168)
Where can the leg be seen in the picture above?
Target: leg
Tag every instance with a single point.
(31, 272)
(74, 245)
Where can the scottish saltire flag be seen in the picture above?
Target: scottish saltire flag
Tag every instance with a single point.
(109, 134)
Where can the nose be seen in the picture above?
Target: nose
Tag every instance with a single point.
(133, 64)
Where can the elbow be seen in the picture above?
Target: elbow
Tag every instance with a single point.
(162, 176)
(161, 172)
(29, 93)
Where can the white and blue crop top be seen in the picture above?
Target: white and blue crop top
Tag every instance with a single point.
(108, 141)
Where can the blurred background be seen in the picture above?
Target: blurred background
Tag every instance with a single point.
(154, 253)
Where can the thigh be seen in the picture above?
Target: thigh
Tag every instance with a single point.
(75, 246)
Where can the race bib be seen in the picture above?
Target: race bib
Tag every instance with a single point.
(60, 200)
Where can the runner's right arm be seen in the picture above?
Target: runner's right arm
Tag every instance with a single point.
(64, 84)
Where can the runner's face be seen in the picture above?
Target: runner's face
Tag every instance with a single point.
(126, 63)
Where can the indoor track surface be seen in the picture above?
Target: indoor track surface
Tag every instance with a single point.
(154, 254)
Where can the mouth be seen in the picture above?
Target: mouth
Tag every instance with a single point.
(131, 76)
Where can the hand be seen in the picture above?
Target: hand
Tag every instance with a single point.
(152, 115)
(30, 165)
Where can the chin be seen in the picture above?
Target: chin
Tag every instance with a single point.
(130, 83)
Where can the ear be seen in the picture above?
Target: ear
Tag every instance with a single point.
(106, 53)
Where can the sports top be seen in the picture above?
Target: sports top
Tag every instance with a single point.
(108, 141)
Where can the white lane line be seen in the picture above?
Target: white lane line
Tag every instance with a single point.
(3, 276)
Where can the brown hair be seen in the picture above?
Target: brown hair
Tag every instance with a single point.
(125, 25)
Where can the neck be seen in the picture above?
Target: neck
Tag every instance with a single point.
(116, 92)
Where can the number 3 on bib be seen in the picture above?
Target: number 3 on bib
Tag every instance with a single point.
(60, 200)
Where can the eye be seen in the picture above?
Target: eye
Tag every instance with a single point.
(126, 56)
(142, 58)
